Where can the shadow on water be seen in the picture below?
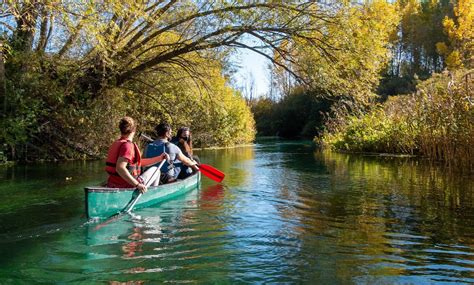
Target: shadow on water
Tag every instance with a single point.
(42, 197)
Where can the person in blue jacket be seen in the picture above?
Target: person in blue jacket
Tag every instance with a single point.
(170, 170)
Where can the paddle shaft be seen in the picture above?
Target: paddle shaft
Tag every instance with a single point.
(133, 203)
(147, 183)
(146, 137)
(129, 207)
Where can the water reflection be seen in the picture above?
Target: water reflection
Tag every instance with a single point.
(284, 214)
(381, 218)
(212, 197)
(235, 161)
(146, 240)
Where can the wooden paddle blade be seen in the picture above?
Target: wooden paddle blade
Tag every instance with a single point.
(211, 172)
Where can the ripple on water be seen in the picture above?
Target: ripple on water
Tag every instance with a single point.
(284, 215)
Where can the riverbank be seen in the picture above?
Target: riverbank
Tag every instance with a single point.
(12, 163)
(224, 147)
(435, 122)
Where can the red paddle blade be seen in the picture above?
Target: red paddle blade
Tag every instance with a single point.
(211, 172)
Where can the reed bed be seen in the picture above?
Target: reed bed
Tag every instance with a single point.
(437, 121)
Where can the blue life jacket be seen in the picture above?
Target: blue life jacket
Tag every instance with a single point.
(157, 148)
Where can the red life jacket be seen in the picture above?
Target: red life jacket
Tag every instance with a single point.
(112, 157)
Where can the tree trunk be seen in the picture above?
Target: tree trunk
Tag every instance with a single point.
(26, 24)
(43, 30)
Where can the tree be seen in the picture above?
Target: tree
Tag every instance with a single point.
(74, 61)
(414, 52)
(115, 41)
(459, 49)
(2, 78)
(355, 51)
(248, 86)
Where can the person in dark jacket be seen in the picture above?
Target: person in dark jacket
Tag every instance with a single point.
(184, 141)
(179, 161)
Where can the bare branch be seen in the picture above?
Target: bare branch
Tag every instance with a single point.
(7, 26)
(43, 29)
(200, 44)
(241, 45)
(201, 15)
(72, 38)
(149, 24)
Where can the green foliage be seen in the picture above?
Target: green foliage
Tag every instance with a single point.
(217, 115)
(420, 29)
(67, 89)
(431, 36)
(375, 131)
(55, 126)
(391, 85)
(72, 69)
(300, 114)
(263, 110)
(459, 51)
(356, 51)
(22, 107)
(435, 122)
(444, 112)
(348, 66)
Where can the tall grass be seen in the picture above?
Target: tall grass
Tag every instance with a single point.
(446, 116)
(437, 121)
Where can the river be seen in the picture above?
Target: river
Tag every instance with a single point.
(285, 213)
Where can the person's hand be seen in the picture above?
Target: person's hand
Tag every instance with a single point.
(166, 156)
(142, 188)
(195, 167)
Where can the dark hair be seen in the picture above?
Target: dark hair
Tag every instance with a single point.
(182, 130)
(187, 146)
(162, 129)
(127, 125)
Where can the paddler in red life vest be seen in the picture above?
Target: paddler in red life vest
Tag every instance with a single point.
(124, 160)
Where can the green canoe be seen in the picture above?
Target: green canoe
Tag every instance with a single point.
(103, 202)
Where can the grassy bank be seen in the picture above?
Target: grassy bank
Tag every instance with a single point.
(436, 121)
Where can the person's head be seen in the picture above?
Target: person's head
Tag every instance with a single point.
(127, 126)
(163, 130)
(184, 133)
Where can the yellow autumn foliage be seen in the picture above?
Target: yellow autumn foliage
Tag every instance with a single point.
(459, 51)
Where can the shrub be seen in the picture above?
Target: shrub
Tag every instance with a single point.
(436, 121)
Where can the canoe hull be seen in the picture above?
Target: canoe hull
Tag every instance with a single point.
(103, 202)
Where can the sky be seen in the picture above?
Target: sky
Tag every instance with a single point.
(254, 65)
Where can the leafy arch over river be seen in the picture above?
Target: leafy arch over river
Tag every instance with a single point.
(72, 68)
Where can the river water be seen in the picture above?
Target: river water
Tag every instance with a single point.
(284, 214)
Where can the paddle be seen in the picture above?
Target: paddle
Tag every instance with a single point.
(129, 207)
(135, 197)
(205, 169)
(211, 172)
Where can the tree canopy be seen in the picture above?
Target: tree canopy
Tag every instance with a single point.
(112, 42)
(70, 69)
(79, 65)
